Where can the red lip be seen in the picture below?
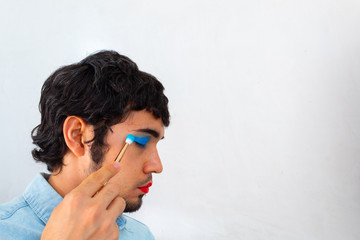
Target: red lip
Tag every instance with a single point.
(145, 189)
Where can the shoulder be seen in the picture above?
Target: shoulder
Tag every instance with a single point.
(7, 210)
(17, 221)
(134, 223)
(137, 228)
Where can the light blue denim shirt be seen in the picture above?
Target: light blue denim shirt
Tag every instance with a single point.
(25, 216)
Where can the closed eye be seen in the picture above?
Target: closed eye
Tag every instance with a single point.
(140, 145)
(141, 141)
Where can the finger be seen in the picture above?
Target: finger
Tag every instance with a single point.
(108, 193)
(93, 183)
(116, 207)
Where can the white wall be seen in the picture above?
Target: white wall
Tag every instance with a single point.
(264, 96)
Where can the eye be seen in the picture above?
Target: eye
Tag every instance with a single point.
(141, 140)
(140, 145)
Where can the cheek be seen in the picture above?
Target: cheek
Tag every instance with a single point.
(133, 158)
(110, 155)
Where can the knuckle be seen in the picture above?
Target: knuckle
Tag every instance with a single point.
(122, 204)
(94, 214)
(75, 198)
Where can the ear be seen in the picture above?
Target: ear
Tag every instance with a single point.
(73, 130)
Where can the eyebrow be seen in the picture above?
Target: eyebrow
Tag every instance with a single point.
(150, 131)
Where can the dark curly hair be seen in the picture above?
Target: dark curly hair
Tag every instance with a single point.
(102, 89)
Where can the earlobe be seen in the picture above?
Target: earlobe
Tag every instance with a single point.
(73, 130)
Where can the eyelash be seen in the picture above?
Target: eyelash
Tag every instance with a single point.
(140, 145)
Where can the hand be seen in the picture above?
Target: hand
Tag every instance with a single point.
(89, 211)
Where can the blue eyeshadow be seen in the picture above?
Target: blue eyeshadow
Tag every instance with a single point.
(141, 140)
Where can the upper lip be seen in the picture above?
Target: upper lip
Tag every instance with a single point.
(147, 185)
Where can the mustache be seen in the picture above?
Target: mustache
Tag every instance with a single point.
(145, 181)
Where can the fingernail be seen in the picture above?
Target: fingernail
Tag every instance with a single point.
(116, 165)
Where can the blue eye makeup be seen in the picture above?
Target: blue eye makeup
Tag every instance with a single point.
(142, 140)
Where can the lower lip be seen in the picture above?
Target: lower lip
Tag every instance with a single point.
(145, 189)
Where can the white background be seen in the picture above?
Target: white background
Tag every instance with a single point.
(264, 97)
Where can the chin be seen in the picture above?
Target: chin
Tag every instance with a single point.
(133, 205)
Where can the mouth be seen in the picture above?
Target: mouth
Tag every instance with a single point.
(145, 189)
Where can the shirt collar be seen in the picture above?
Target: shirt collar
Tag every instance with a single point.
(42, 198)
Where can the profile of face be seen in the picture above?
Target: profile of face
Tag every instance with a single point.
(139, 162)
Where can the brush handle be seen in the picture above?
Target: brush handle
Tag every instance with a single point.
(121, 153)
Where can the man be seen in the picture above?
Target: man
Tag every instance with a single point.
(87, 111)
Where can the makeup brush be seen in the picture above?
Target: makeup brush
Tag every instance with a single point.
(129, 140)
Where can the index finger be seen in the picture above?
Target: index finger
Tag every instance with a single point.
(95, 181)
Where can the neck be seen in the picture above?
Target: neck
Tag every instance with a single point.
(70, 176)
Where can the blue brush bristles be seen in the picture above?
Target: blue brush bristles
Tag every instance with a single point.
(130, 138)
(141, 140)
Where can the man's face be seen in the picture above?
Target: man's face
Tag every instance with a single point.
(139, 162)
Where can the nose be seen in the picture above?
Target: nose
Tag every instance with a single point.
(153, 165)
